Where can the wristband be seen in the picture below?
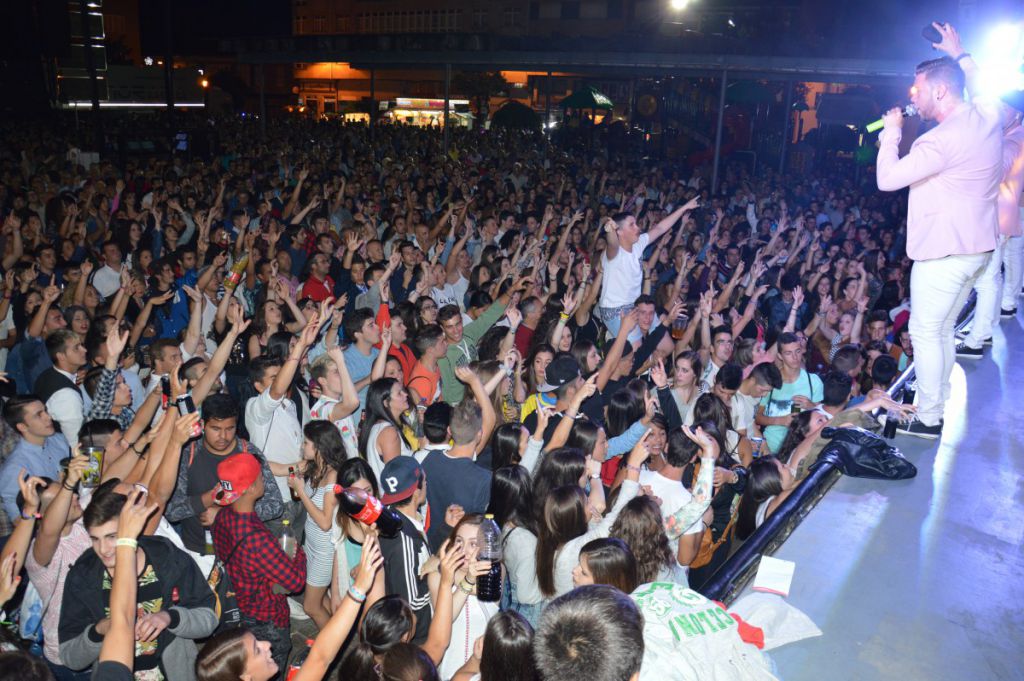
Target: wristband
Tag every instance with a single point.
(597, 476)
(65, 485)
(139, 454)
(466, 588)
(355, 594)
(31, 516)
(564, 316)
(127, 541)
(631, 467)
(962, 55)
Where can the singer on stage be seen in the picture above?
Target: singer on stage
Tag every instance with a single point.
(953, 172)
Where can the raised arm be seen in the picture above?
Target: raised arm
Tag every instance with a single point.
(672, 218)
(468, 377)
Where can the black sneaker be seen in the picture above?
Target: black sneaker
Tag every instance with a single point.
(1008, 314)
(917, 429)
(962, 336)
(964, 351)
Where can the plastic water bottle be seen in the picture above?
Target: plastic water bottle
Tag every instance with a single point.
(288, 543)
(488, 586)
(208, 550)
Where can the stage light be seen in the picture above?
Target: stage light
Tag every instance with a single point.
(732, 24)
(1000, 59)
(678, 5)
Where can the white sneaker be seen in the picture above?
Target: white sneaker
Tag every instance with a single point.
(295, 609)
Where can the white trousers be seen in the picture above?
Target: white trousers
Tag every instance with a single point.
(938, 290)
(990, 289)
(1013, 269)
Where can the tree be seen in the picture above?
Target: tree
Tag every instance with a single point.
(479, 87)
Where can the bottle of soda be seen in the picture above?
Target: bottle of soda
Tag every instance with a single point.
(291, 474)
(299, 660)
(488, 538)
(366, 508)
(288, 543)
(235, 275)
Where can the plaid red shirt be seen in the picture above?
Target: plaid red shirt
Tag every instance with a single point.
(258, 563)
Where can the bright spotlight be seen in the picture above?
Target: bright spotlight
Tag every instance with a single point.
(679, 5)
(1000, 60)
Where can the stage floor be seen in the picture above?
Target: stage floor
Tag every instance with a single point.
(924, 579)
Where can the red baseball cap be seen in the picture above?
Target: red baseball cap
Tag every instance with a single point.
(236, 474)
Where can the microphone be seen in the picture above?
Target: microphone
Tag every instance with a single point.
(909, 110)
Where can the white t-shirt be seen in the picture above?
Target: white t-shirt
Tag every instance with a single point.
(623, 275)
(275, 429)
(322, 410)
(743, 409)
(674, 496)
(107, 280)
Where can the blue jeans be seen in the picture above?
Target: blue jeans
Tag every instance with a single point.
(529, 611)
(612, 319)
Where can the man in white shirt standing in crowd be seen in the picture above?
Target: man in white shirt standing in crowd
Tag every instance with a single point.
(621, 260)
(108, 278)
(953, 172)
(58, 388)
(273, 422)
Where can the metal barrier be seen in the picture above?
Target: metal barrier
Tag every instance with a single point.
(730, 579)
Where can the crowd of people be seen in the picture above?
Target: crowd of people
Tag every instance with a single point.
(211, 363)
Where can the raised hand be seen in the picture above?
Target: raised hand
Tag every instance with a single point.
(659, 375)
(9, 578)
(370, 561)
(29, 486)
(116, 342)
(569, 303)
(452, 560)
(134, 515)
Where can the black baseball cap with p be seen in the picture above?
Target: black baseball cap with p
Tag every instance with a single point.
(399, 479)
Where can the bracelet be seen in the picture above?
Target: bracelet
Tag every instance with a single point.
(564, 316)
(466, 588)
(596, 476)
(65, 485)
(355, 594)
(127, 541)
(139, 454)
(631, 467)
(31, 516)
(962, 55)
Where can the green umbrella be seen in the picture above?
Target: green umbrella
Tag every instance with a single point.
(587, 98)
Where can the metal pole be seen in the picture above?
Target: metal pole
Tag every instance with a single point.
(261, 75)
(90, 62)
(373, 103)
(447, 98)
(718, 131)
(785, 128)
(547, 104)
(168, 59)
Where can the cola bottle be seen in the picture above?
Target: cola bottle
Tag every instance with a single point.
(367, 509)
(488, 538)
(299, 660)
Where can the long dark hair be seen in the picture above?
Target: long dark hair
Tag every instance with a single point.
(508, 649)
(561, 466)
(625, 408)
(610, 561)
(505, 445)
(406, 662)
(763, 482)
(512, 498)
(330, 451)
(385, 624)
(564, 517)
(378, 400)
(799, 427)
(709, 408)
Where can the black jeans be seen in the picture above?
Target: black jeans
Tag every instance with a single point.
(280, 640)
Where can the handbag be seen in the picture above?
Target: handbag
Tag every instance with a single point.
(707, 545)
(860, 453)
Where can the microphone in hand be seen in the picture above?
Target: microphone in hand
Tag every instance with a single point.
(908, 110)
